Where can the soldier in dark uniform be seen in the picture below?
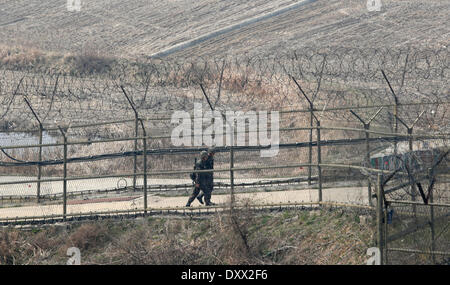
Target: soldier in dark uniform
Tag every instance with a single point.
(209, 164)
(200, 179)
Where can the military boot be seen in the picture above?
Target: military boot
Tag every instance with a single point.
(191, 199)
(208, 200)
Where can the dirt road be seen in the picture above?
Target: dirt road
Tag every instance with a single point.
(354, 195)
(30, 189)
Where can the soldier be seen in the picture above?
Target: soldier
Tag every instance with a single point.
(200, 179)
(210, 185)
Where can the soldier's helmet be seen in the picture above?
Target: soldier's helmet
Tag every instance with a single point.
(203, 154)
(212, 150)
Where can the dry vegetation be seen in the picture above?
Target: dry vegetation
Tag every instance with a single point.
(25, 58)
(292, 237)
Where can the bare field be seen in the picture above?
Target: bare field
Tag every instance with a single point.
(141, 27)
(339, 23)
(114, 26)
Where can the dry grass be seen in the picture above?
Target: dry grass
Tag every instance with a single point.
(26, 58)
(20, 57)
(246, 237)
(88, 236)
(17, 247)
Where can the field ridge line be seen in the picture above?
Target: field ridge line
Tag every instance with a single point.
(203, 38)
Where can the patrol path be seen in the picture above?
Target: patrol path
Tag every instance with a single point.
(349, 195)
(56, 187)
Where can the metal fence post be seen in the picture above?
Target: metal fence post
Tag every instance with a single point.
(433, 234)
(311, 110)
(379, 213)
(65, 178)
(136, 133)
(410, 142)
(39, 165)
(385, 233)
(310, 145)
(231, 180)
(413, 186)
(38, 191)
(367, 135)
(369, 186)
(396, 126)
(64, 174)
(396, 104)
(319, 160)
(145, 165)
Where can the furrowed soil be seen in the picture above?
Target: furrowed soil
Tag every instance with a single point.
(291, 237)
(142, 28)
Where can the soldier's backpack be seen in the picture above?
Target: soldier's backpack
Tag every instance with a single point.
(194, 175)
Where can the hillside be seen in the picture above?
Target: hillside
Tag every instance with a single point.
(290, 237)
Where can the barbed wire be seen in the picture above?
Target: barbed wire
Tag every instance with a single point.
(335, 79)
(331, 76)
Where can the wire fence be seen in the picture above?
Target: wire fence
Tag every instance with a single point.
(332, 77)
(127, 180)
(413, 217)
(365, 129)
(418, 234)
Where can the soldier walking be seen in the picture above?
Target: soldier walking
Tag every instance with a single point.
(200, 179)
(209, 164)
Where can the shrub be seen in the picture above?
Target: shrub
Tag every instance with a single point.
(88, 236)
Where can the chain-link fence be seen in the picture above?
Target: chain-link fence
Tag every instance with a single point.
(86, 146)
(413, 211)
(73, 173)
(418, 233)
